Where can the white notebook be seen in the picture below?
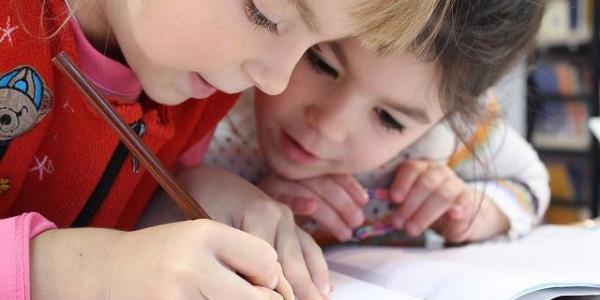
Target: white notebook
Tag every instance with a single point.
(552, 261)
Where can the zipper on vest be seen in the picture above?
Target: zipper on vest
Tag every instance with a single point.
(107, 179)
(3, 148)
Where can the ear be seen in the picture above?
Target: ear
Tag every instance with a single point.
(6, 78)
(46, 105)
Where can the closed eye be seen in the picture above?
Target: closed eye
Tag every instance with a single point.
(20, 112)
(319, 65)
(388, 121)
(258, 18)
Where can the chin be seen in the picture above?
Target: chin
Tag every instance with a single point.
(164, 97)
(292, 172)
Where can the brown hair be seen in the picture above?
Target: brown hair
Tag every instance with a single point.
(477, 42)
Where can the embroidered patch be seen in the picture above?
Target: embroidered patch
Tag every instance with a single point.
(24, 101)
(4, 185)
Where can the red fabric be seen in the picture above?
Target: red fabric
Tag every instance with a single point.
(54, 168)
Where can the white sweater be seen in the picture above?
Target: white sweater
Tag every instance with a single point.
(511, 174)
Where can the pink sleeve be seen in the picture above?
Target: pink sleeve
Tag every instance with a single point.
(15, 234)
(195, 154)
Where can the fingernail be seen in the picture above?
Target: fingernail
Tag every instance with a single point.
(345, 235)
(365, 195)
(325, 289)
(411, 229)
(302, 204)
(272, 282)
(397, 196)
(358, 219)
(399, 222)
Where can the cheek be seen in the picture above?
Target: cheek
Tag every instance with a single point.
(372, 150)
(370, 156)
(203, 32)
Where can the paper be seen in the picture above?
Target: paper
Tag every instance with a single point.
(552, 256)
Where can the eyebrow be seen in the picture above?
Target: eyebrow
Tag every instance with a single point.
(307, 15)
(416, 114)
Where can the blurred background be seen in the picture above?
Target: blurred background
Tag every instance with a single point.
(551, 100)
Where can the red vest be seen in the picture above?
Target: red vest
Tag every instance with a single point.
(57, 152)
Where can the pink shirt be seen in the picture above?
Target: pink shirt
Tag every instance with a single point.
(15, 234)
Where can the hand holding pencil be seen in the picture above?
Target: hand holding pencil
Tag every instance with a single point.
(138, 263)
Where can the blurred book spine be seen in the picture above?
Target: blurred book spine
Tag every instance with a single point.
(566, 22)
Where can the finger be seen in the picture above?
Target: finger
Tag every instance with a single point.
(235, 247)
(315, 260)
(234, 286)
(302, 206)
(292, 260)
(285, 288)
(300, 199)
(437, 204)
(263, 220)
(327, 218)
(353, 188)
(427, 183)
(269, 294)
(406, 175)
(337, 198)
(456, 230)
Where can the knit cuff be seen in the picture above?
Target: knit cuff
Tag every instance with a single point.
(513, 205)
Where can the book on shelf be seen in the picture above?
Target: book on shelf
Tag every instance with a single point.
(553, 261)
(566, 23)
(594, 125)
(561, 126)
(562, 78)
(563, 182)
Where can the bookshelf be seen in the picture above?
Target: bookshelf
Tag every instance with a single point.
(563, 95)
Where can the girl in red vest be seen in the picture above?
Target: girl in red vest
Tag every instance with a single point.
(59, 159)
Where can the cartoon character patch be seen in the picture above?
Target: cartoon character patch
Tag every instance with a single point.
(24, 101)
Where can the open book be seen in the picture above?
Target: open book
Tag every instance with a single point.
(553, 261)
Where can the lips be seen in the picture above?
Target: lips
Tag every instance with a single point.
(199, 87)
(295, 151)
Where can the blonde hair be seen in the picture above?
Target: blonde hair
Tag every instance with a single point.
(398, 25)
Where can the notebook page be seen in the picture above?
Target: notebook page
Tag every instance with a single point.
(493, 270)
(348, 288)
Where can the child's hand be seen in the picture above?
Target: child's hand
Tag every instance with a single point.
(335, 202)
(432, 195)
(470, 223)
(199, 259)
(234, 201)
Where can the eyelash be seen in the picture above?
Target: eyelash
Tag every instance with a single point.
(319, 65)
(258, 18)
(387, 121)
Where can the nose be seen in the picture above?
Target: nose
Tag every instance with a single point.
(5, 119)
(272, 71)
(333, 119)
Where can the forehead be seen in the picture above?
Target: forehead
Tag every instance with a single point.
(334, 18)
(401, 77)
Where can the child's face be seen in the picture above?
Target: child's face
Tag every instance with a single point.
(186, 49)
(347, 110)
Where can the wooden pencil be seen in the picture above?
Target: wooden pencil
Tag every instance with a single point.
(131, 140)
